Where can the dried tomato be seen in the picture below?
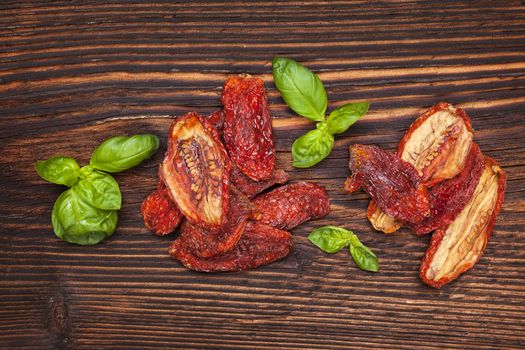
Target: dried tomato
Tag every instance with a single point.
(259, 245)
(161, 215)
(394, 184)
(456, 248)
(449, 197)
(437, 145)
(248, 126)
(196, 171)
(251, 188)
(204, 244)
(291, 205)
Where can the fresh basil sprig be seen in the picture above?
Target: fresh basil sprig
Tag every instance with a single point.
(304, 93)
(331, 239)
(86, 213)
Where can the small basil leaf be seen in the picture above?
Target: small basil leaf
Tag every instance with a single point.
(363, 257)
(343, 117)
(123, 152)
(311, 148)
(301, 89)
(75, 221)
(58, 170)
(330, 239)
(98, 189)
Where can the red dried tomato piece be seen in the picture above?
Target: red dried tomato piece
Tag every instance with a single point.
(161, 215)
(248, 126)
(251, 188)
(204, 244)
(456, 248)
(437, 143)
(216, 119)
(291, 205)
(259, 245)
(449, 197)
(196, 171)
(394, 184)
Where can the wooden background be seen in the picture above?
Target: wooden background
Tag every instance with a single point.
(72, 75)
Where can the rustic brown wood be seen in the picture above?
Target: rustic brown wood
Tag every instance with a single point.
(73, 74)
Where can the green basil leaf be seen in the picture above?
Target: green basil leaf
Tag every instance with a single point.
(58, 170)
(363, 257)
(301, 89)
(99, 189)
(123, 152)
(311, 148)
(343, 117)
(75, 221)
(330, 239)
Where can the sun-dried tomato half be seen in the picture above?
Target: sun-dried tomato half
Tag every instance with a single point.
(290, 205)
(259, 245)
(437, 145)
(394, 184)
(248, 126)
(196, 171)
(161, 214)
(456, 248)
(204, 244)
(449, 197)
(251, 188)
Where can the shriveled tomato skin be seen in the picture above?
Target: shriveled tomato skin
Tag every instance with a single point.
(259, 245)
(247, 128)
(486, 225)
(161, 215)
(290, 205)
(449, 197)
(250, 187)
(204, 243)
(196, 170)
(394, 184)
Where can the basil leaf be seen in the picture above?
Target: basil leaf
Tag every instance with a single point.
(98, 189)
(311, 148)
(58, 170)
(330, 239)
(363, 257)
(301, 89)
(123, 152)
(343, 117)
(75, 221)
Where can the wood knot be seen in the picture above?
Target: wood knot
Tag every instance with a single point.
(58, 320)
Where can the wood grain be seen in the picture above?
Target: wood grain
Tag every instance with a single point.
(73, 74)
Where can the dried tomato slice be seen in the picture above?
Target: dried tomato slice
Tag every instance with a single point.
(248, 126)
(449, 197)
(259, 245)
(456, 248)
(161, 215)
(204, 244)
(290, 205)
(437, 144)
(196, 171)
(251, 188)
(394, 184)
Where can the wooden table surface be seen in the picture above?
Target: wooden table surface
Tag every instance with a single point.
(72, 75)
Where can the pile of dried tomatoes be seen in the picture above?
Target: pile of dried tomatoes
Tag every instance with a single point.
(210, 184)
(438, 181)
